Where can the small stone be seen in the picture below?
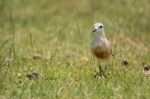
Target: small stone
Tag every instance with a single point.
(125, 62)
(33, 75)
(147, 67)
(36, 56)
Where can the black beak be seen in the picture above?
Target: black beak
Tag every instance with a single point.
(94, 30)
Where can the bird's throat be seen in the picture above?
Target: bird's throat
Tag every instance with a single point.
(100, 34)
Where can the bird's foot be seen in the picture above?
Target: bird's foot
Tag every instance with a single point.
(100, 74)
(102, 71)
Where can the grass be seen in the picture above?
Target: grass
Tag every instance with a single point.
(53, 38)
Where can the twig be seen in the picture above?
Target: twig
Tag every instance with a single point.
(31, 41)
(12, 32)
(120, 25)
(4, 43)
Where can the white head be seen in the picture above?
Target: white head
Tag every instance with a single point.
(98, 27)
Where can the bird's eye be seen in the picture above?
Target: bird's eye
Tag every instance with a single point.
(100, 27)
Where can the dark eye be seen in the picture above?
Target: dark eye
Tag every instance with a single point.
(100, 27)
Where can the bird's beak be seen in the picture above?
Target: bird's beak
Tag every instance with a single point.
(94, 30)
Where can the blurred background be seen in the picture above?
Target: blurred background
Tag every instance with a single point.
(49, 16)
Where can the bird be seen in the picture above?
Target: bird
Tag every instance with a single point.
(100, 45)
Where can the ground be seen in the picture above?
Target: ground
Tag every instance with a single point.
(45, 49)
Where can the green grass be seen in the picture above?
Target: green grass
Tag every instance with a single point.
(58, 33)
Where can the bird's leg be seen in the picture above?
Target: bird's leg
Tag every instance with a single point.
(101, 71)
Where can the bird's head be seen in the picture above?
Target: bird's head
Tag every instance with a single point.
(98, 27)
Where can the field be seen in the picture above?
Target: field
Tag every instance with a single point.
(52, 38)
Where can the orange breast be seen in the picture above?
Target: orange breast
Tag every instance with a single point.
(101, 53)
